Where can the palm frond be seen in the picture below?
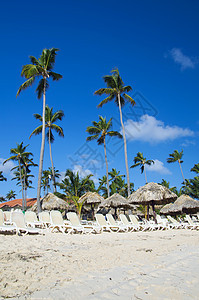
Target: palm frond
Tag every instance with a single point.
(38, 117)
(37, 131)
(58, 129)
(129, 99)
(40, 88)
(93, 137)
(25, 85)
(55, 76)
(106, 100)
(29, 71)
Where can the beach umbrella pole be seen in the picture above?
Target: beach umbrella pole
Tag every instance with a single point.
(154, 213)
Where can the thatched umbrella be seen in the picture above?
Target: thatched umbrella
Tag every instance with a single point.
(115, 201)
(184, 204)
(165, 209)
(91, 198)
(151, 194)
(51, 202)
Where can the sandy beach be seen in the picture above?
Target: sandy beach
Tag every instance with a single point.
(139, 265)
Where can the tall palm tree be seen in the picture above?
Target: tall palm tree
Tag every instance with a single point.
(19, 154)
(50, 119)
(11, 195)
(141, 161)
(177, 156)
(98, 131)
(117, 91)
(2, 178)
(42, 68)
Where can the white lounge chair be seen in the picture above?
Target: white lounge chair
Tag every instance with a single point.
(7, 217)
(131, 227)
(44, 218)
(18, 220)
(140, 225)
(101, 221)
(191, 225)
(57, 222)
(162, 222)
(77, 226)
(31, 219)
(175, 224)
(4, 227)
(112, 222)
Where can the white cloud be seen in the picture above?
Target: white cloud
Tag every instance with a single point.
(83, 173)
(158, 167)
(149, 129)
(183, 60)
(7, 167)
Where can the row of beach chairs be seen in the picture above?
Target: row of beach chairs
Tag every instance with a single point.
(19, 223)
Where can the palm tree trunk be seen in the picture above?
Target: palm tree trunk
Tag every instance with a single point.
(182, 172)
(107, 181)
(42, 150)
(125, 147)
(21, 185)
(145, 174)
(25, 188)
(51, 158)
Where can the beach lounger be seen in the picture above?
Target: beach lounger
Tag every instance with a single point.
(112, 222)
(6, 228)
(7, 217)
(31, 219)
(162, 222)
(191, 225)
(131, 227)
(44, 218)
(57, 222)
(18, 220)
(175, 224)
(140, 225)
(101, 221)
(77, 226)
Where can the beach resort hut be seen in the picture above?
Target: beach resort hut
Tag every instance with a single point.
(184, 204)
(152, 194)
(115, 201)
(91, 198)
(51, 202)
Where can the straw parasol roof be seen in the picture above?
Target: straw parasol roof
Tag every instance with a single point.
(91, 198)
(184, 204)
(165, 209)
(152, 193)
(115, 201)
(51, 202)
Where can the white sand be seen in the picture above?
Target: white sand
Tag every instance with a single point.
(143, 265)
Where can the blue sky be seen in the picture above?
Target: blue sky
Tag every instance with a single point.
(154, 45)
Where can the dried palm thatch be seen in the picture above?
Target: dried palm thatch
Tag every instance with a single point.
(115, 201)
(91, 198)
(184, 204)
(152, 193)
(165, 209)
(51, 202)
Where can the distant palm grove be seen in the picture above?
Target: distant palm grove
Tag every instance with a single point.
(72, 186)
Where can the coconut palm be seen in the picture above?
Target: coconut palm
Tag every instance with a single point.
(42, 68)
(19, 154)
(141, 161)
(117, 91)
(74, 187)
(177, 156)
(98, 131)
(11, 195)
(2, 178)
(50, 120)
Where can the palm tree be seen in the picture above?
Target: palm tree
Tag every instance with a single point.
(99, 131)
(177, 156)
(41, 67)
(2, 178)
(117, 91)
(50, 119)
(11, 195)
(20, 155)
(141, 161)
(74, 187)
